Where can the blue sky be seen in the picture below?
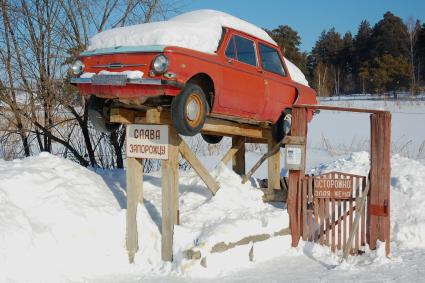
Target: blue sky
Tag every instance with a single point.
(310, 17)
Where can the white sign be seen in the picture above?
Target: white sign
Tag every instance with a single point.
(293, 155)
(147, 141)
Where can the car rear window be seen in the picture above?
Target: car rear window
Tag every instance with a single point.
(246, 50)
(270, 60)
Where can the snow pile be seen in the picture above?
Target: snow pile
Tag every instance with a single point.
(60, 220)
(199, 30)
(407, 195)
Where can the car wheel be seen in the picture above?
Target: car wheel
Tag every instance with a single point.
(283, 126)
(188, 110)
(212, 139)
(98, 112)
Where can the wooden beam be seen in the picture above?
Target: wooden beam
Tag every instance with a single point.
(336, 108)
(232, 151)
(134, 177)
(170, 193)
(214, 126)
(273, 166)
(238, 159)
(197, 166)
(299, 128)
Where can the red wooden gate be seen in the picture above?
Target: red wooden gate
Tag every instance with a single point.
(328, 210)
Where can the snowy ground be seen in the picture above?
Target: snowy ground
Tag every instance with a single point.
(62, 222)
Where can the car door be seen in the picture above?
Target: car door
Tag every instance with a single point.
(242, 81)
(280, 91)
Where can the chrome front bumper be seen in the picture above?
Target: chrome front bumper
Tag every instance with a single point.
(127, 81)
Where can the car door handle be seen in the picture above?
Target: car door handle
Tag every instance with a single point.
(230, 61)
(260, 71)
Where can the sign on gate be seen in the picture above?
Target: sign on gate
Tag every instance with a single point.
(147, 141)
(333, 188)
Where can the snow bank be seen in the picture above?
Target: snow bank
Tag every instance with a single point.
(200, 30)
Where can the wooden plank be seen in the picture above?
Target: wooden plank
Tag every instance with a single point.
(339, 224)
(273, 166)
(197, 165)
(310, 201)
(333, 224)
(299, 128)
(356, 239)
(363, 216)
(322, 221)
(232, 151)
(327, 221)
(344, 224)
(350, 221)
(359, 209)
(316, 220)
(170, 187)
(304, 207)
(134, 176)
(238, 159)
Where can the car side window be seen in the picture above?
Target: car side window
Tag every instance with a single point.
(231, 51)
(270, 60)
(245, 49)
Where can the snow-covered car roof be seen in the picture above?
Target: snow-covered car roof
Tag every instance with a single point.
(199, 30)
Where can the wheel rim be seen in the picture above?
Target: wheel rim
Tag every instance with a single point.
(193, 110)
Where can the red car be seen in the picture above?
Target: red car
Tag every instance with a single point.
(245, 79)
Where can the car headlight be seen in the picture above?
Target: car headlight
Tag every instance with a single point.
(160, 64)
(77, 68)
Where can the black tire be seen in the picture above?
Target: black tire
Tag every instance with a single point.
(212, 139)
(98, 112)
(188, 110)
(280, 128)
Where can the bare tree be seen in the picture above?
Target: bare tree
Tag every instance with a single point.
(38, 39)
(413, 28)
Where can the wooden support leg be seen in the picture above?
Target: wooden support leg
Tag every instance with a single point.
(170, 192)
(238, 159)
(134, 195)
(273, 164)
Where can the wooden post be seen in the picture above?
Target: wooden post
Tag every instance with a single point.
(299, 128)
(134, 195)
(273, 168)
(233, 150)
(170, 194)
(238, 160)
(378, 221)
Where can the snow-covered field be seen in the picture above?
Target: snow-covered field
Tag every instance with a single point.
(62, 222)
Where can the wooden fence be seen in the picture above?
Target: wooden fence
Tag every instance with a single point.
(329, 205)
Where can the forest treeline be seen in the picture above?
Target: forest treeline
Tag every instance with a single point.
(386, 57)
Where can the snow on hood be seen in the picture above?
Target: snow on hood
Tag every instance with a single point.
(296, 74)
(199, 30)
